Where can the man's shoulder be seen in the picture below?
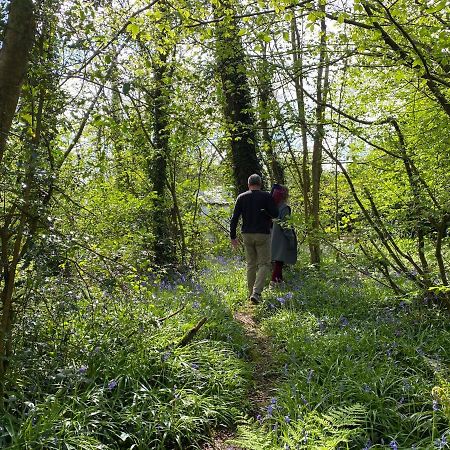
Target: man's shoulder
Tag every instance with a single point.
(255, 192)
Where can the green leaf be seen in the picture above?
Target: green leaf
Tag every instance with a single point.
(27, 118)
(133, 29)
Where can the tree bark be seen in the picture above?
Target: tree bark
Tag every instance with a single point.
(14, 55)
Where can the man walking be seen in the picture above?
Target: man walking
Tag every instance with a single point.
(257, 209)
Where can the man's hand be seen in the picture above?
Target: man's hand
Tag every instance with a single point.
(235, 243)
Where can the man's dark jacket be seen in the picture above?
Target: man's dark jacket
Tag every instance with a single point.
(257, 209)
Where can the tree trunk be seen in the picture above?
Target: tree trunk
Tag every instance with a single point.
(164, 248)
(316, 168)
(14, 56)
(298, 83)
(237, 105)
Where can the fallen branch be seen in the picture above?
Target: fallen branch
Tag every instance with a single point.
(187, 338)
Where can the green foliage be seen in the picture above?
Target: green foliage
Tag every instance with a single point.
(311, 430)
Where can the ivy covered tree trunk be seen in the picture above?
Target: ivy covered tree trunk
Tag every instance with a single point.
(237, 104)
(164, 247)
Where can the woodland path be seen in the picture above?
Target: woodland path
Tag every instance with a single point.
(264, 374)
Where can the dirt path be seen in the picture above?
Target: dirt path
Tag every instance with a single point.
(264, 374)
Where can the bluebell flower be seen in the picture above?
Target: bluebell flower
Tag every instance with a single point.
(195, 366)
(273, 400)
(282, 300)
(196, 305)
(368, 445)
(287, 419)
(366, 388)
(344, 321)
(289, 295)
(435, 405)
(270, 410)
(112, 385)
(443, 441)
(82, 369)
(393, 445)
(259, 418)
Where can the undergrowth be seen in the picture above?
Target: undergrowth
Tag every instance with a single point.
(100, 366)
(342, 342)
(105, 368)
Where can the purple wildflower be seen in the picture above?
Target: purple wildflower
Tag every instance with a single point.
(393, 445)
(82, 370)
(259, 418)
(195, 366)
(443, 442)
(282, 300)
(435, 405)
(112, 385)
(289, 295)
(270, 410)
(368, 445)
(287, 419)
(196, 305)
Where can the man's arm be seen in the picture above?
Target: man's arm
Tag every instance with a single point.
(235, 218)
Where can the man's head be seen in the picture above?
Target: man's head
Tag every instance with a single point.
(254, 181)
